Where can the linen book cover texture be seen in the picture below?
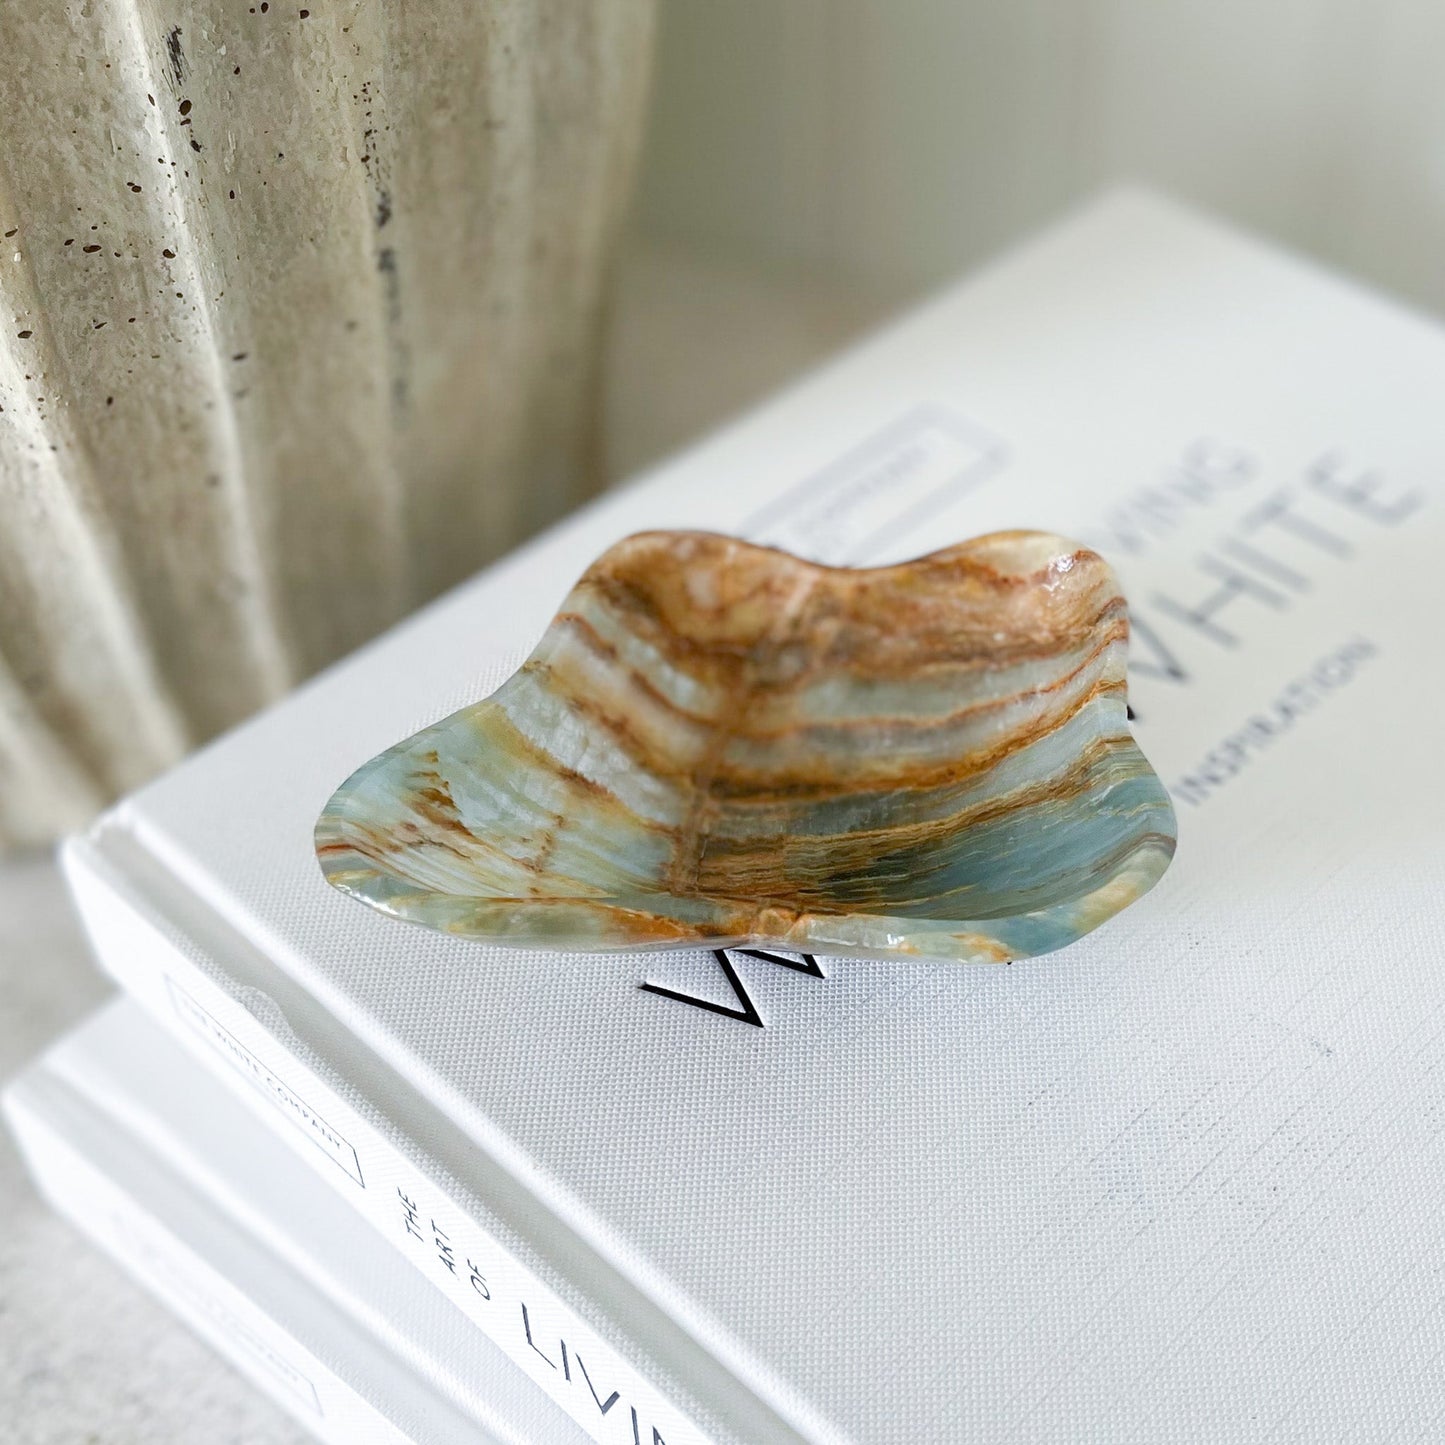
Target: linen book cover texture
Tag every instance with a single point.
(1180, 1180)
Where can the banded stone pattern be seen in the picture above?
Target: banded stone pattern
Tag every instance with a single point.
(717, 743)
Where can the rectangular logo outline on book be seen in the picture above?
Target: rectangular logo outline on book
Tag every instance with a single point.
(882, 489)
(264, 1080)
(158, 1255)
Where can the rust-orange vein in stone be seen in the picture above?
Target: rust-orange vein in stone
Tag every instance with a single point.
(718, 743)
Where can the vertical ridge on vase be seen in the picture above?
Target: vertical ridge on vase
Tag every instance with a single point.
(45, 783)
(280, 220)
(56, 642)
(621, 33)
(479, 259)
(377, 290)
(159, 56)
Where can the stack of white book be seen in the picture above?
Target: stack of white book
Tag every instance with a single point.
(1183, 1180)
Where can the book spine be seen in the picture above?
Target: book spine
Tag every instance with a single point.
(521, 1313)
(246, 1335)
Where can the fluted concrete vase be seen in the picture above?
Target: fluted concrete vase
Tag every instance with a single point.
(301, 308)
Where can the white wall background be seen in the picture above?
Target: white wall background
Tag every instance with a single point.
(889, 144)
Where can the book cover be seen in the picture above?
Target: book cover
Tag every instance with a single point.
(1179, 1179)
(165, 1170)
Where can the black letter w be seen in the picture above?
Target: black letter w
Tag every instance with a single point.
(746, 1012)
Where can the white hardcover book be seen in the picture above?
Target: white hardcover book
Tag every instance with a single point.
(1180, 1180)
(158, 1162)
